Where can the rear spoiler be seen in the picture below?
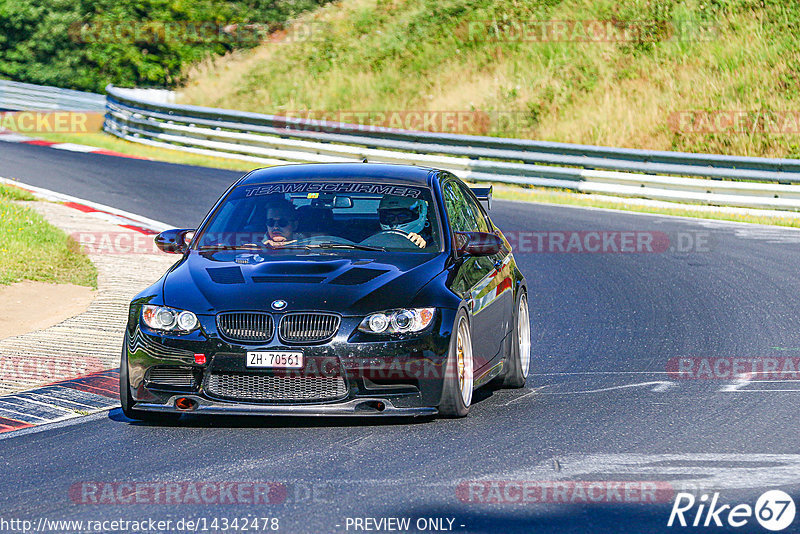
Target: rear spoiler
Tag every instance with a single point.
(484, 194)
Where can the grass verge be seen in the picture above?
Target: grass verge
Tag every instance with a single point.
(33, 249)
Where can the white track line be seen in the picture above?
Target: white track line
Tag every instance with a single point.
(46, 194)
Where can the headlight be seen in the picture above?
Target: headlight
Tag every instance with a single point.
(397, 321)
(169, 319)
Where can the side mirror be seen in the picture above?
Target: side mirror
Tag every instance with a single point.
(174, 241)
(478, 243)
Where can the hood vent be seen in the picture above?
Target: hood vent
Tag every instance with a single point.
(356, 276)
(226, 275)
(298, 268)
(288, 279)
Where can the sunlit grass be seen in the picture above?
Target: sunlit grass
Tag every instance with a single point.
(33, 249)
(14, 193)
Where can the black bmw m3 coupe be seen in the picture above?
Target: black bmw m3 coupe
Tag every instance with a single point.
(330, 289)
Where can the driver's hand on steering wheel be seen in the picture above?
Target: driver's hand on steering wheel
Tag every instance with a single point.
(416, 239)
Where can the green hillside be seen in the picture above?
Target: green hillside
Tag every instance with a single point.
(584, 71)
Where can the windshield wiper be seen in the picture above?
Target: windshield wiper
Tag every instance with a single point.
(245, 246)
(325, 246)
(356, 246)
(284, 247)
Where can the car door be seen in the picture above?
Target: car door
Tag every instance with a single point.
(477, 278)
(499, 284)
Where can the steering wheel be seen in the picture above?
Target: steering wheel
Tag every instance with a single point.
(389, 238)
(395, 231)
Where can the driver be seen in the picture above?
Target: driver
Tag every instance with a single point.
(281, 224)
(405, 215)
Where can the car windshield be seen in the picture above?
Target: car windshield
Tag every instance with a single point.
(340, 216)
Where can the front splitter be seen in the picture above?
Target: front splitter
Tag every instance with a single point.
(362, 407)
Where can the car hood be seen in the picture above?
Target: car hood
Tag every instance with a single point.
(355, 284)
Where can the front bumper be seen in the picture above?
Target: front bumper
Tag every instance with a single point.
(359, 407)
(382, 377)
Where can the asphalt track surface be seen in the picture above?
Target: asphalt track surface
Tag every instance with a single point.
(599, 404)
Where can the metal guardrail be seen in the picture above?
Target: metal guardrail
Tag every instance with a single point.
(25, 96)
(674, 176)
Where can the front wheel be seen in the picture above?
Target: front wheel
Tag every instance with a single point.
(458, 375)
(520, 358)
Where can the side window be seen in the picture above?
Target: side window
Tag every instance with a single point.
(459, 212)
(477, 214)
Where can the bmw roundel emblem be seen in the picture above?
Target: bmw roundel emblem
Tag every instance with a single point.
(278, 304)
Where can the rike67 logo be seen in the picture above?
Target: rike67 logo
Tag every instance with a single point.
(774, 510)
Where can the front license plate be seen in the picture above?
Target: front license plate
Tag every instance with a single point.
(279, 360)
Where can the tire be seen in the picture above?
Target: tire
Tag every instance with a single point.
(520, 358)
(125, 396)
(458, 375)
